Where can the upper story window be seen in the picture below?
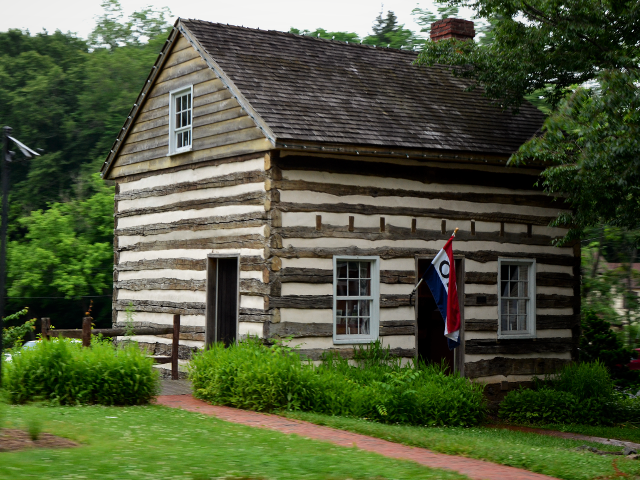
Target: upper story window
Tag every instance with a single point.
(516, 298)
(356, 299)
(180, 122)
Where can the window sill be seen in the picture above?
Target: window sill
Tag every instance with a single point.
(178, 152)
(353, 340)
(518, 336)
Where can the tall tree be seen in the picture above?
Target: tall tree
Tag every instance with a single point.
(350, 37)
(387, 32)
(581, 57)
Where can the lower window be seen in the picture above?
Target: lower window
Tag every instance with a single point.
(356, 299)
(516, 298)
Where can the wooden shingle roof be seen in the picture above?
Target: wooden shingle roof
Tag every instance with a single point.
(313, 90)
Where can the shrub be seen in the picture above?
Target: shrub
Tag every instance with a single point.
(253, 376)
(599, 342)
(580, 393)
(64, 372)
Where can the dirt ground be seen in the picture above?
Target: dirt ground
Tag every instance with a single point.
(13, 439)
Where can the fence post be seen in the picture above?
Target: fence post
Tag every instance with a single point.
(174, 347)
(86, 331)
(46, 327)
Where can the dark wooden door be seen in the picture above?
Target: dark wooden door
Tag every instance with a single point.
(432, 344)
(227, 300)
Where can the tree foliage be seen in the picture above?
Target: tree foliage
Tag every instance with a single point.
(69, 97)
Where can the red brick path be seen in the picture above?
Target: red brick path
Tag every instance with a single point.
(475, 469)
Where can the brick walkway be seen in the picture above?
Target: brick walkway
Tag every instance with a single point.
(475, 469)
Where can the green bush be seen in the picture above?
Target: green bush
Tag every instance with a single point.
(62, 371)
(581, 393)
(256, 377)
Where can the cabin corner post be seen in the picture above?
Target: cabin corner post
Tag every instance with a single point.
(273, 240)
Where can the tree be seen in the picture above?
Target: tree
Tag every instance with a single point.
(388, 33)
(349, 37)
(581, 57)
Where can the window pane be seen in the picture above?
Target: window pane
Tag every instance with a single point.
(522, 322)
(354, 288)
(513, 289)
(342, 269)
(189, 117)
(513, 271)
(513, 306)
(504, 272)
(364, 326)
(353, 269)
(523, 289)
(364, 307)
(365, 288)
(352, 308)
(524, 272)
(522, 307)
(179, 142)
(513, 322)
(341, 326)
(505, 289)
(341, 288)
(352, 325)
(184, 119)
(189, 100)
(178, 103)
(365, 270)
(178, 124)
(187, 136)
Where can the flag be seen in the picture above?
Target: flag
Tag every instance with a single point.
(441, 278)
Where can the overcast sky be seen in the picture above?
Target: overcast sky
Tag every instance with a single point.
(334, 15)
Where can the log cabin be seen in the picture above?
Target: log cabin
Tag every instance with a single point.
(280, 185)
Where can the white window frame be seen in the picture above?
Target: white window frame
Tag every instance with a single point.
(374, 326)
(172, 121)
(531, 310)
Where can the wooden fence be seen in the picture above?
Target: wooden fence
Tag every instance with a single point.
(86, 332)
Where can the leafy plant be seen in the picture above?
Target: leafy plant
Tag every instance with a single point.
(129, 314)
(375, 385)
(63, 372)
(12, 337)
(578, 394)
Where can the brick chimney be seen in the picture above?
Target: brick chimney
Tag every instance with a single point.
(452, 28)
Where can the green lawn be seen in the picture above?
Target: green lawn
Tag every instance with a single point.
(161, 443)
(630, 433)
(542, 454)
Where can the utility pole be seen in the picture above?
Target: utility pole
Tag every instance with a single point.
(4, 172)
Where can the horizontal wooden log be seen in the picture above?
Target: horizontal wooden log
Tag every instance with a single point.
(184, 329)
(157, 306)
(543, 279)
(296, 330)
(514, 366)
(507, 178)
(542, 300)
(161, 284)
(253, 219)
(348, 353)
(362, 209)
(326, 301)
(320, 276)
(387, 253)
(345, 190)
(515, 346)
(247, 263)
(191, 166)
(161, 360)
(543, 322)
(239, 241)
(111, 332)
(399, 233)
(250, 198)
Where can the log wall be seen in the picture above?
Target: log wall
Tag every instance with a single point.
(326, 205)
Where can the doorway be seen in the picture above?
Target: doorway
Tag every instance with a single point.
(431, 344)
(222, 300)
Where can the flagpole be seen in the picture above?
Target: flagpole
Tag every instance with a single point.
(4, 172)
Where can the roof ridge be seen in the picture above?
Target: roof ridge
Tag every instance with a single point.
(306, 37)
